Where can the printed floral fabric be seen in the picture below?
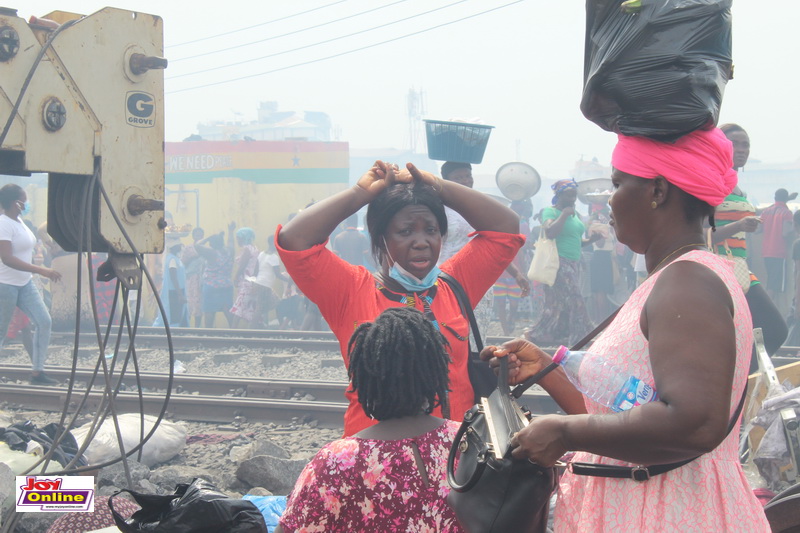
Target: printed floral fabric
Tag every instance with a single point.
(710, 493)
(247, 292)
(355, 484)
(217, 273)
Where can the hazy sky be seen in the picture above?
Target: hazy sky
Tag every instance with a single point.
(518, 68)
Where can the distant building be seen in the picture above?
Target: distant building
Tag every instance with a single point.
(271, 125)
(761, 180)
(258, 184)
(589, 170)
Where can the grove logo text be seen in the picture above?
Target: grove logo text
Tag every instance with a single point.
(140, 109)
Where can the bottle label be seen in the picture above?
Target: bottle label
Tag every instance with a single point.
(635, 392)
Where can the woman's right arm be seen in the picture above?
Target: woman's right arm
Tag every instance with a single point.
(8, 258)
(315, 224)
(206, 252)
(526, 359)
(747, 224)
(553, 229)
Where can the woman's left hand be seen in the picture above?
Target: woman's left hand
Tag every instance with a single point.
(425, 177)
(542, 441)
(379, 177)
(49, 273)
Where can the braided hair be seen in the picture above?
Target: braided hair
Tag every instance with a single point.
(398, 365)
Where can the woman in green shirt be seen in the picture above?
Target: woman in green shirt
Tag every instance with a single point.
(564, 318)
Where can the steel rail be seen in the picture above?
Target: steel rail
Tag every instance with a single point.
(202, 384)
(183, 406)
(231, 388)
(193, 341)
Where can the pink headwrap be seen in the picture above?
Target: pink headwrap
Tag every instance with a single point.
(699, 163)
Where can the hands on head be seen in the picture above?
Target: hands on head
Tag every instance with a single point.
(383, 175)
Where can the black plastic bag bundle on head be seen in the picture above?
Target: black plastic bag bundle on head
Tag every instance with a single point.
(660, 72)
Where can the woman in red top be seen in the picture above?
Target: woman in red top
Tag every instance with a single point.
(406, 222)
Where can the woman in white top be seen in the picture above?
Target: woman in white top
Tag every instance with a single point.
(16, 279)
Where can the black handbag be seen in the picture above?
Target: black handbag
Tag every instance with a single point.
(481, 375)
(491, 491)
(783, 511)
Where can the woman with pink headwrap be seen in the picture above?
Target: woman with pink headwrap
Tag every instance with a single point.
(686, 331)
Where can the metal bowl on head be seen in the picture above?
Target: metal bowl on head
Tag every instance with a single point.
(517, 180)
(595, 191)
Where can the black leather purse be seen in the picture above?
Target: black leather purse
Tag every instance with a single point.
(491, 491)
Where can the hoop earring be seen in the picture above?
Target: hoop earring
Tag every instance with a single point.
(653, 204)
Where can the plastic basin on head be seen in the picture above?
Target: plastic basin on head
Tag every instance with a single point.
(462, 142)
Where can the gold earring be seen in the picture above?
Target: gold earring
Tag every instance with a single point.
(653, 204)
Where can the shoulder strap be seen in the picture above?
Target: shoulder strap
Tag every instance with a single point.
(528, 383)
(643, 473)
(466, 309)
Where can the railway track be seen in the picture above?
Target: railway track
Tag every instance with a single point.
(277, 339)
(211, 398)
(203, 398)
(195, 397)
(186, 338)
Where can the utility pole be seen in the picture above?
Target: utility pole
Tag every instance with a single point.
(415, 101)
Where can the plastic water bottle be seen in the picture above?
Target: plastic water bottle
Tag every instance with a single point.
(603, 381)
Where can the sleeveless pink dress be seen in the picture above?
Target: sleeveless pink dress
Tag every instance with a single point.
(709, 494)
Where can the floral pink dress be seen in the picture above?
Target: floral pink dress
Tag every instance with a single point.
(709, 494)
(355, 484)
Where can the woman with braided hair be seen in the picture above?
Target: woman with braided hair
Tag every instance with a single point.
(390, 476)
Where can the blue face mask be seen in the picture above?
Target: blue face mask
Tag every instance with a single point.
(408, 280)
(24, 208)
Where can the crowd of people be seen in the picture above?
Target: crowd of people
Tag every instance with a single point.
(228, 274)
(685, 328)
(209, 277)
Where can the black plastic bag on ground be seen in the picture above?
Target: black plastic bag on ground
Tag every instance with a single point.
(660, 72)
(194, 508)
(18, 435)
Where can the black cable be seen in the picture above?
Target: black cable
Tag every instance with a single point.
(82, 209)
(301, 30)
(90, 187)
(132, 335)
(28, 79)
(346, 52)
(255, 25)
